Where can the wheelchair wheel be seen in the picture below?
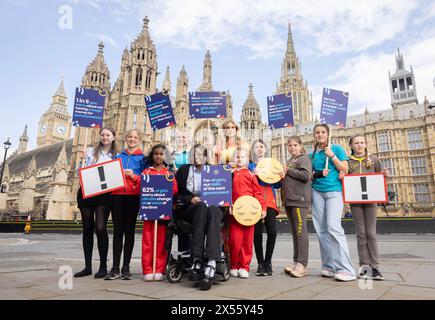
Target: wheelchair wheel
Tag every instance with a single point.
(226, 276)
(173, 275)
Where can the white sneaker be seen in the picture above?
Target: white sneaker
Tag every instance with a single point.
(242, 273)
(158, 277)
(345, 277)
(328, 273)
(234, 273)
(148, 277)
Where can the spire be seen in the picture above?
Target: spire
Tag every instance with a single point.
(24, 135)
(61, 90)
(146, 22)
(59, 99)
(97, 73)
(400, 63)
(207, 74)
(24, 139)
(251, 110)
(251, 89)
(290, 44)
(167, 81)
(144, 38)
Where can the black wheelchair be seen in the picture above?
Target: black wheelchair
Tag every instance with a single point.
(180, 263)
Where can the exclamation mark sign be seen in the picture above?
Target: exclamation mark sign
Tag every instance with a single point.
(364, 188)
(102, 178)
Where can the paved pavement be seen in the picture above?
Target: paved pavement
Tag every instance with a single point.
(29, 269)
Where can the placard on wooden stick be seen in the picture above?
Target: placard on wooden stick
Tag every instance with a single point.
(101, 178)
(365, 188)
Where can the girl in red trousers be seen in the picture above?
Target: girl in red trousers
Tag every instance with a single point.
(157, 167)
(241, 237)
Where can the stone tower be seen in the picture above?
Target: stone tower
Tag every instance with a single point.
(55, 123)
(181, 109)
(293, 81)
(97, 77)
(250, 120)
(206, 75)
(138, 76)
(24, 139)
(206, 131)
(402, 86)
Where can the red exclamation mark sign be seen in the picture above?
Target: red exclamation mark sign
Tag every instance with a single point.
(102, 178)
(364, 195)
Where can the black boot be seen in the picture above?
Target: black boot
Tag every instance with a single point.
(87, 271)
(102, 271)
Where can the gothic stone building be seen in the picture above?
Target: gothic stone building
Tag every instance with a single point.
(44, 181)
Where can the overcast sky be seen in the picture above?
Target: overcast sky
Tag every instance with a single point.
(345, 45)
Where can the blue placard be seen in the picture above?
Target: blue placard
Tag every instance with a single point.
(88, 108)
(203, 105)
(160, 111)
(280, 111)
(334, 107)
(156, 197)
(216, 186)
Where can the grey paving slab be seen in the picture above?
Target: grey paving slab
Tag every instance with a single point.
(409, 293)
(423, 275)
(29, 270)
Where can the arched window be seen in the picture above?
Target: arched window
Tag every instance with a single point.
(139, 76)
(148, 79)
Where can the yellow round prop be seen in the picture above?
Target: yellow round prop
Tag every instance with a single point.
(269, 170)
(247, 210)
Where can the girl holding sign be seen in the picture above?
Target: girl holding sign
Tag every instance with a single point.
(95, 210)
(364, 215)
(241, 236)
(157, 167)
(327, 203)
(125, 205)
(297, 200)
(258, 152)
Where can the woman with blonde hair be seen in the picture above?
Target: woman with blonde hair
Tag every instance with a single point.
(226, 153)
(125, 205)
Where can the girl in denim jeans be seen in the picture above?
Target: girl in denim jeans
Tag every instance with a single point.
(327, 203)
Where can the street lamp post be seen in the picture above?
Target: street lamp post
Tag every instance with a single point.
(7, 144)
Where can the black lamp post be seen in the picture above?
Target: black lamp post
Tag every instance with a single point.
(7, 144)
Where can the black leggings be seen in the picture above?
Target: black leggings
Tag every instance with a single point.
(270, 223)
(124, 216)
(95, 218)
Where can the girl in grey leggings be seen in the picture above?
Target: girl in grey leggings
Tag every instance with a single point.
(364, 215)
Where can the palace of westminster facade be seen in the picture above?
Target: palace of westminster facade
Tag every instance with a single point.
(44, 181)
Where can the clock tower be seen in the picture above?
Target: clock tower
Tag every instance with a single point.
(55, 124)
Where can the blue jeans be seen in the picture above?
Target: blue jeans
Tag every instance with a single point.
(327, 209)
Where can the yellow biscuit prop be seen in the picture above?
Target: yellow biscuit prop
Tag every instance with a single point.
(269, 170)
(247, 210)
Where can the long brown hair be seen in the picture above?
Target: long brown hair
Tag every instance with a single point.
(324, 125)
(98, 146)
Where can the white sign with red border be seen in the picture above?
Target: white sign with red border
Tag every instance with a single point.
(102, 178)
(365, 188)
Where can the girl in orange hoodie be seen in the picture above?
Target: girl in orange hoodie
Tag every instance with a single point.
(157, 167)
